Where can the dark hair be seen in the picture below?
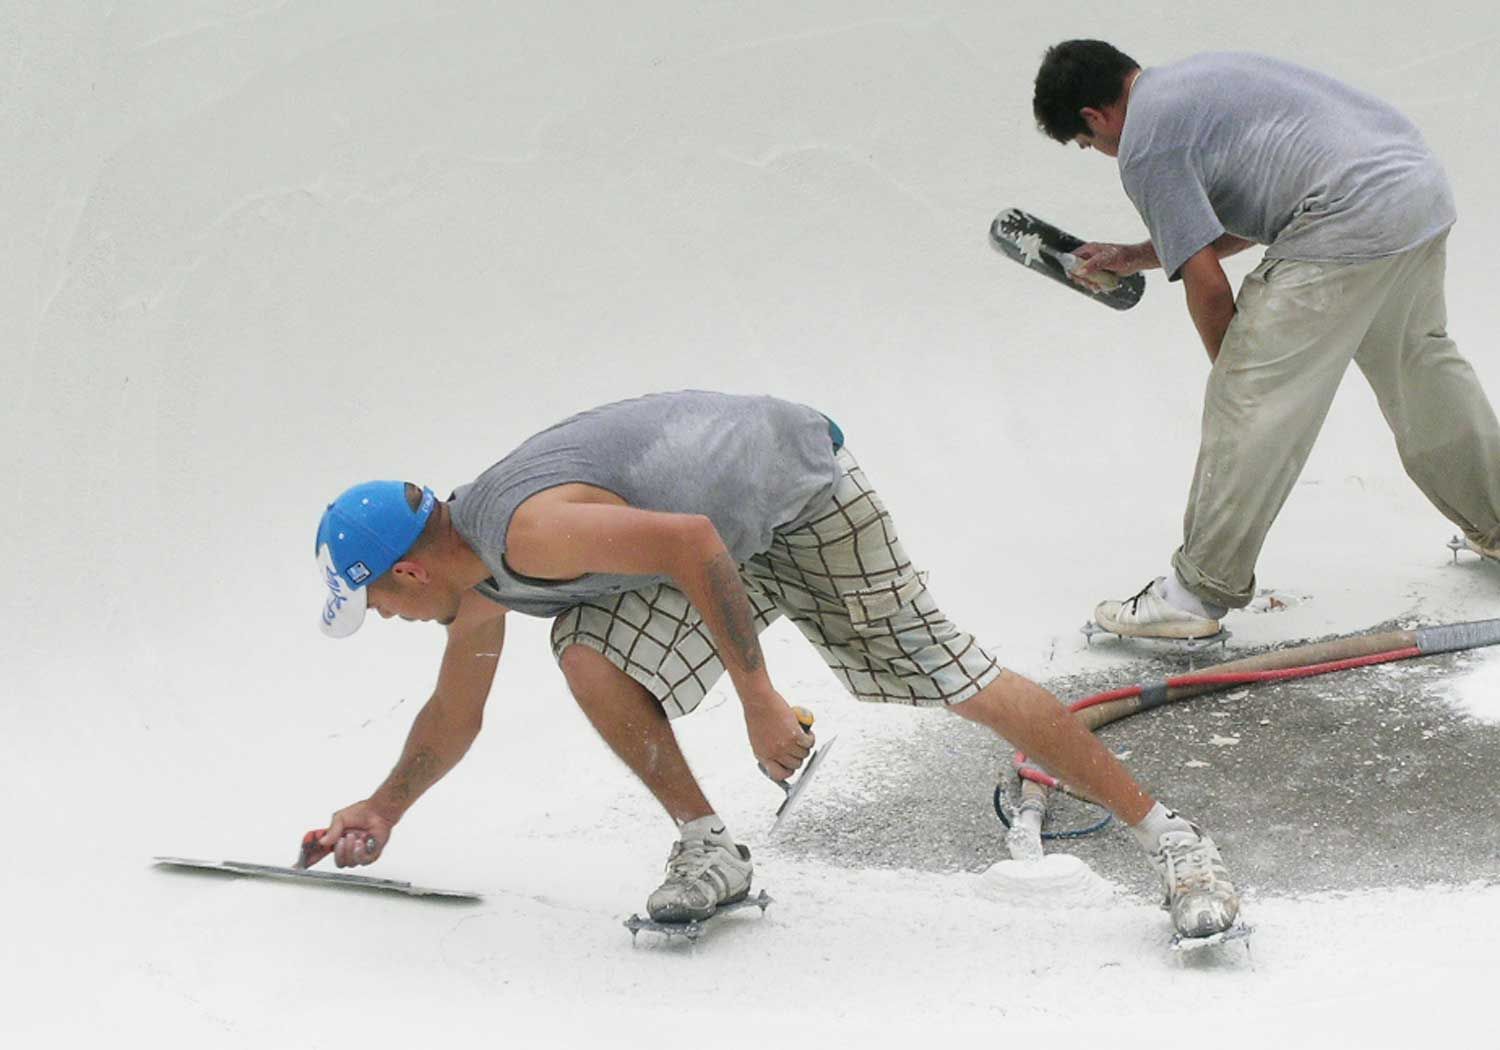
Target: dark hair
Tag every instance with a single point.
(1077, 74)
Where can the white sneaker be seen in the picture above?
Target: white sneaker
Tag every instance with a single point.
(1199, 894)
(706, 869)
(1148, 614)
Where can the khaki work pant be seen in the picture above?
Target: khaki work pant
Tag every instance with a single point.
(1297, 327)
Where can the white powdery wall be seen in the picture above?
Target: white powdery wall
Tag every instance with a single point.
(256, 253)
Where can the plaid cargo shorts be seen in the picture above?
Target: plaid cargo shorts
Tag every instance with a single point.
(843, 579)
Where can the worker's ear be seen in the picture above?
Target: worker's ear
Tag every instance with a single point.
(411, 570)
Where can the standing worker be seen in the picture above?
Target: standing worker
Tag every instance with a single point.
(1222, 151)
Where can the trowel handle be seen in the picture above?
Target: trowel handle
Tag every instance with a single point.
(805, 720)
(313, 849)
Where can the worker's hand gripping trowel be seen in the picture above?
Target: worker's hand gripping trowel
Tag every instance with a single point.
(795, 786)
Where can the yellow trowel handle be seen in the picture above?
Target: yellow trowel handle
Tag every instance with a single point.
(805, 720)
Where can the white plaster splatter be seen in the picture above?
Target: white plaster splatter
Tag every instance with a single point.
(1477, 693)
(1058, 879)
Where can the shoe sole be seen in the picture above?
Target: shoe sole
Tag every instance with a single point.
(693, 916)
(1239, 931)
(1176, 632)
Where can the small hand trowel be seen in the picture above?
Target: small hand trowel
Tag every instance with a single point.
(795, 786)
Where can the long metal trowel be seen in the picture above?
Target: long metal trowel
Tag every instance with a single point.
(795, 787)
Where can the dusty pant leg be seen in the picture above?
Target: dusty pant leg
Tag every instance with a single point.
(1297, 326)
(1444, 426)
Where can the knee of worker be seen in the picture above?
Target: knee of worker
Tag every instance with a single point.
(587, 671)
(999, 699)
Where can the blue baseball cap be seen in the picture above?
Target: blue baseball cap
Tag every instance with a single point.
(363, 533)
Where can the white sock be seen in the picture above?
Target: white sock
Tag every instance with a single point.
(1179, 597)
(711, 828)
(1156, 824)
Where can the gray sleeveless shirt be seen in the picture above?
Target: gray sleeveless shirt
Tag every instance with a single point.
(751, 465)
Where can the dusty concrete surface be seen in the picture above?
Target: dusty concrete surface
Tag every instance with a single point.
(1358, 779)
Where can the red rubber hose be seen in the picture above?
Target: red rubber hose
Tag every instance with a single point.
(1233, 678)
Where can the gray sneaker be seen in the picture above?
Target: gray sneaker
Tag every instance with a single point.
(703, 872)
(1200, 896)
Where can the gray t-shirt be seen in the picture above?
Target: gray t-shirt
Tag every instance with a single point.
(751, 465)
(1276, 154)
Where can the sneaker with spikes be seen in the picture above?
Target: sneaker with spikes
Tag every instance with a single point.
(1492, 553)
(1199, 895)
(706, 869)
(1148, 614)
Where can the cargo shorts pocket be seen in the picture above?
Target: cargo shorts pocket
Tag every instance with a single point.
(872, 607)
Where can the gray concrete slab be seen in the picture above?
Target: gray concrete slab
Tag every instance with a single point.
(1358, 779)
